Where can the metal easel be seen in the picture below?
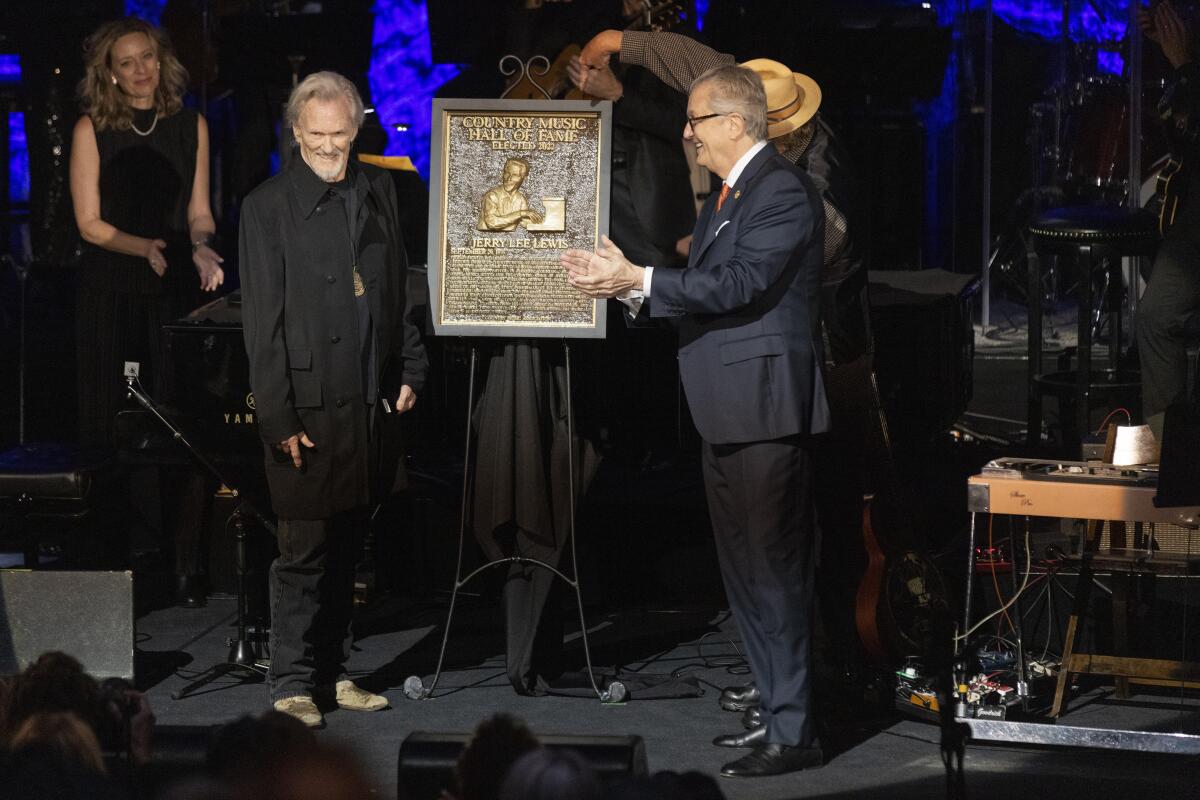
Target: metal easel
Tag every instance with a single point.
(414, 686)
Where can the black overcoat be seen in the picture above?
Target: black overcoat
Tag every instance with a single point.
(301, 328)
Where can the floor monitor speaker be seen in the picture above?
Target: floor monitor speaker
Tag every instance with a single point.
(88, 615)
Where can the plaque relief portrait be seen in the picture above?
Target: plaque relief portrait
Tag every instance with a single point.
(513, 184)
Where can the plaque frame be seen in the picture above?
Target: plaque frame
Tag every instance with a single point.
(440, 179)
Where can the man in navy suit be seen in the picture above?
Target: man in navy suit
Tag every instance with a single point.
(746, 307)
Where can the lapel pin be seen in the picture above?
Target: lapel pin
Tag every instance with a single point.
(737, 194)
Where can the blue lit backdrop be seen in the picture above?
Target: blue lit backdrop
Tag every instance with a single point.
(149, 10)
(10, 69)
(18, 159)
(18, 150)
(402, 78)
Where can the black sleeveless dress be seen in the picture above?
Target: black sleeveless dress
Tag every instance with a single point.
(145, 186)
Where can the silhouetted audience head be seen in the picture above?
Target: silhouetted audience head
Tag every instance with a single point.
(55, 682)
(275, 757)
(632, 787)
(326, 772)
(198, 788)
(6, 688)
(62, 733)
(250, 745)
(54, 754)
(546, 774)
(687, 786)
(494, 747)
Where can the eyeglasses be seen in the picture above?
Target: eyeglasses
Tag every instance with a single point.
(692, 121)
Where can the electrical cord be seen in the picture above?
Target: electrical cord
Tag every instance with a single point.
(1004, 608)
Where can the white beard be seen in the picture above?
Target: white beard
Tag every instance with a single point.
(328, 171)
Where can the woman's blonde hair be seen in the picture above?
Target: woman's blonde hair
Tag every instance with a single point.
(102, 100)
(64, 733)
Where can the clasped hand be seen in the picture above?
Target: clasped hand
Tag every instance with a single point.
(604, 273)
(1163, 24)
(597, 81)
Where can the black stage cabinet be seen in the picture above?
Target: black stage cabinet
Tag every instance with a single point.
(924, 348)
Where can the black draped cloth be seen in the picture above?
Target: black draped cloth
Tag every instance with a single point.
(520, 503)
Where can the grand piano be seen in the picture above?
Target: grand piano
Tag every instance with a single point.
(210, 379)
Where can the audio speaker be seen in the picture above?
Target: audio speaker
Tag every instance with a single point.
(426, 763)
(88, 615)
(924, 348)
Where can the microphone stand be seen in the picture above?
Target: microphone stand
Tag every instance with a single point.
(243, 653)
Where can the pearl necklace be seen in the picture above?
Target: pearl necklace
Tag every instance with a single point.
(149, 130)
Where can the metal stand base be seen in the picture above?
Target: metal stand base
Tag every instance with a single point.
(1072, 736)
(243, 653)
(414, 686)
(1048, 733)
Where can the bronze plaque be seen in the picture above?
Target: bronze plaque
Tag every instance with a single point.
(513, 183)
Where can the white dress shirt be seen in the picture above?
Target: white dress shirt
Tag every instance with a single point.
(634, 297)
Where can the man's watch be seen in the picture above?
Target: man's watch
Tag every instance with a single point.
(203, 241)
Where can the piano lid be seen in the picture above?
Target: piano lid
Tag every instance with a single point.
(222, 314)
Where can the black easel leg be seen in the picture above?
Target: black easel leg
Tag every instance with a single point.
(615, 692)
(414, 687)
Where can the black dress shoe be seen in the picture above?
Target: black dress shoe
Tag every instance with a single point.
(190, 591)
(739, 698)
(748, 739)
(752, 718)
(773, 759)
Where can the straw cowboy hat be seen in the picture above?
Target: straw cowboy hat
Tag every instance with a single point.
(792, 98)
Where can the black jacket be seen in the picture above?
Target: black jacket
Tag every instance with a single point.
(301, 329)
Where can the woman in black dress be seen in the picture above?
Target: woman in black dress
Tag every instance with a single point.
(139, 185)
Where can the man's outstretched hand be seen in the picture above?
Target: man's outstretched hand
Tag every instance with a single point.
(604, 273)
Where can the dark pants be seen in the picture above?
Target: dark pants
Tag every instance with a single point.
(312, 601)
(760, 499)
(1172, 295)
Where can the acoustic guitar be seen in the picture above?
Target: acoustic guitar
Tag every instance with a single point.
(1182, 133)
(1168, 193)
(901, 593)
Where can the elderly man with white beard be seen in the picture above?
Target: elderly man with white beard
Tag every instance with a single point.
(333, 361)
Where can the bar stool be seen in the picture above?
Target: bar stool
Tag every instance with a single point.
(1091, 236)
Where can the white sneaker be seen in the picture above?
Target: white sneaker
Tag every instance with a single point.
(302, 708)
(352, 698)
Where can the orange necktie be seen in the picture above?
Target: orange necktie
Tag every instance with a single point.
(724, 193)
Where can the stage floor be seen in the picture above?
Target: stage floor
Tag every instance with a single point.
(880, 757)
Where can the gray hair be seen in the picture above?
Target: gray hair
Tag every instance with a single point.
(738, 90)
(325, 86)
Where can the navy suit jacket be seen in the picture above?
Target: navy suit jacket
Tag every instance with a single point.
(748, 308)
